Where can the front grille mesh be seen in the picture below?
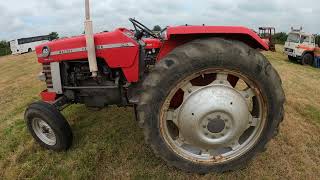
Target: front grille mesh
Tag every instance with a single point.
(47, 71)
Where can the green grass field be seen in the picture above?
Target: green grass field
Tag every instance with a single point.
(108, 144)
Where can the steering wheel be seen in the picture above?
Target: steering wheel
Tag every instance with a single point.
(137, 25)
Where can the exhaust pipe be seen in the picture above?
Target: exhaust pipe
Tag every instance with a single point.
(91, 49)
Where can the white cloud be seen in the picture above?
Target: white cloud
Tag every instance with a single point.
(33, 17)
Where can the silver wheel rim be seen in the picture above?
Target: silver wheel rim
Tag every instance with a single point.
(217, 122)
(44, 132)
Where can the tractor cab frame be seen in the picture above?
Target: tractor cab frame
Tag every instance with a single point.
(266, 33)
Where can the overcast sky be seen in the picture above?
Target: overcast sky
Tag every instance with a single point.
(24, 18)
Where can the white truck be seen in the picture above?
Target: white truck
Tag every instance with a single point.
(24, 45)
(300, 47)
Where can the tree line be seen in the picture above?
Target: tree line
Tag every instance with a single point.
(4, 48)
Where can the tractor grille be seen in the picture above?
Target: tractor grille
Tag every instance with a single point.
(47, 71)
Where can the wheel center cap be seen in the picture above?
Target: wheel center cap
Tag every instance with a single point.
(213, 116)
(216, 125)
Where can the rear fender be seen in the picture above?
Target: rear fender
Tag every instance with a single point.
(177, 36)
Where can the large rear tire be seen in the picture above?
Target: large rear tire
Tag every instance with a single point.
(48, 127)
(206, 96)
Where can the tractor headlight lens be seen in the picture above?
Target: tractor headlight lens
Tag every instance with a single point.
(45, 51)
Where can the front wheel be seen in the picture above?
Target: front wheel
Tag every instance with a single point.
(48, 127)
(211, 105)
(307, 59)
(292, 59)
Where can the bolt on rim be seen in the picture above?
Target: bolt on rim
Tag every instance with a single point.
(44, 132)
(220, 115)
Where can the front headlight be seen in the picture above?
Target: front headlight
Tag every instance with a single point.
(45, 51)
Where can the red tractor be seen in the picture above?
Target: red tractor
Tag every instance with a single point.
(205, 96)
(266, 34)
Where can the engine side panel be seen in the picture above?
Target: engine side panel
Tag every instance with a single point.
(179, 35)
(117, 48)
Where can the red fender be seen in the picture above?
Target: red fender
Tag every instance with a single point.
(179, 35)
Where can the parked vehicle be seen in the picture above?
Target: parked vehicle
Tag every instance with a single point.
(24, 45)
(300, 46)
(208, 100)
(266, 33)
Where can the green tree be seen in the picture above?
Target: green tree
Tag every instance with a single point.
(280, 38)
(53, 36)
(157, 28)
(318, 39)
(4, 48)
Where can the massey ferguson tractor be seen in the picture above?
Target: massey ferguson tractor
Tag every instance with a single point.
(205, 97)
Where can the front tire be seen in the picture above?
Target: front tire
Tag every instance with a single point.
(307, 59)
(210, 69)
(292, 59)
(48, 127)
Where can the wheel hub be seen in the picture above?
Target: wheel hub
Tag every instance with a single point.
(216, 125)
(44, 131)
(213, 116)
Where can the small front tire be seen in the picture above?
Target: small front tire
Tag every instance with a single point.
(48, 127)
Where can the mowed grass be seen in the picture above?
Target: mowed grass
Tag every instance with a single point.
(108, 144)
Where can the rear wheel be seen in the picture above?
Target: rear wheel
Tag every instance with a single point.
(29, 50)
(211, 105)
(48, 127)
(307, 59)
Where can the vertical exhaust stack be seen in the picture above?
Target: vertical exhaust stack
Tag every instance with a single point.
(91, 49)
